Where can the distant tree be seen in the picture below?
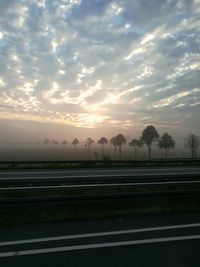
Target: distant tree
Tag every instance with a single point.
(192, 142)
(96, 155)
(166, 142)
(149, 135)
(113, 143)
(136, 144)
(64, 142)
(120, 140)
(89, 142)
(46, 141)
(75, 142)
(103, 141)
(55, 142)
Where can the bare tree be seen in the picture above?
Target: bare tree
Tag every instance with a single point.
(75, 142)
(113, 142)
(46, 141)
(89, 142)
(149, 135)
(103, 141)
(55, 142)
(64, 143)
(136, 144)
(166, 142)
(120, 140)
(192, 142)
(96, 155)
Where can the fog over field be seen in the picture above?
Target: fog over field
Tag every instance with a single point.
(84, 68)
(12, 154)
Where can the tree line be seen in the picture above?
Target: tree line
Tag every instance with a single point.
(149, 137)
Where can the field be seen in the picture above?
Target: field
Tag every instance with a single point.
(42, 153)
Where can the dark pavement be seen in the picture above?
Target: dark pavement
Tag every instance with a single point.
(145, 243)
(99, 172)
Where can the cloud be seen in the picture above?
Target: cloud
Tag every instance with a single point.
(170, 100)
(116, 61)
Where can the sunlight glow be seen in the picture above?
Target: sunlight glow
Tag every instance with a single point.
(2, 83)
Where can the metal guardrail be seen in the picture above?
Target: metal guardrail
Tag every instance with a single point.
(100, 163)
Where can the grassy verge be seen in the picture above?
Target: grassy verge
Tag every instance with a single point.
(35, 213)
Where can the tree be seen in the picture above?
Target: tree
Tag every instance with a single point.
(89, 142)
(103, 141)
(75, 142)
(120, 140)
(149, 135)
(46, 141)
(192, 142)
(96, 155)
(136, 144)
(64, 143)
(166, 142)
(55, 142)
(113, 142)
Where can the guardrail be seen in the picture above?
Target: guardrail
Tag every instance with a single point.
(100, 163)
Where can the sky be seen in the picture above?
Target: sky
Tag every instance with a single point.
(98, 67)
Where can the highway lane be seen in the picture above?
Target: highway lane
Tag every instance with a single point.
(109, 172)
(111, 185)
(164, 240)
(100, 179)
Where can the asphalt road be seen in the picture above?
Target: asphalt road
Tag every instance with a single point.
(164, 240)
(45, 179)
(100, 172)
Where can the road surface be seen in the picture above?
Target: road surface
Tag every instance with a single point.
(97, 178)
(109, 172)
(164, 240)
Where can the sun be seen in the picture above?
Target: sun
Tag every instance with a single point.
(90, 120)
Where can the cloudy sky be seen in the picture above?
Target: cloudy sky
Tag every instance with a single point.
(75, 66)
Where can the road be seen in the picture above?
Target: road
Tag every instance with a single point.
(85, 179)
(159, 240)
(109, 172)
(36, 179)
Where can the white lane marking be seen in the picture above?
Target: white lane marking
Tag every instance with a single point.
(98, 245)
(94, 185)
(102, 170)
(98, 176)
(76, 236)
